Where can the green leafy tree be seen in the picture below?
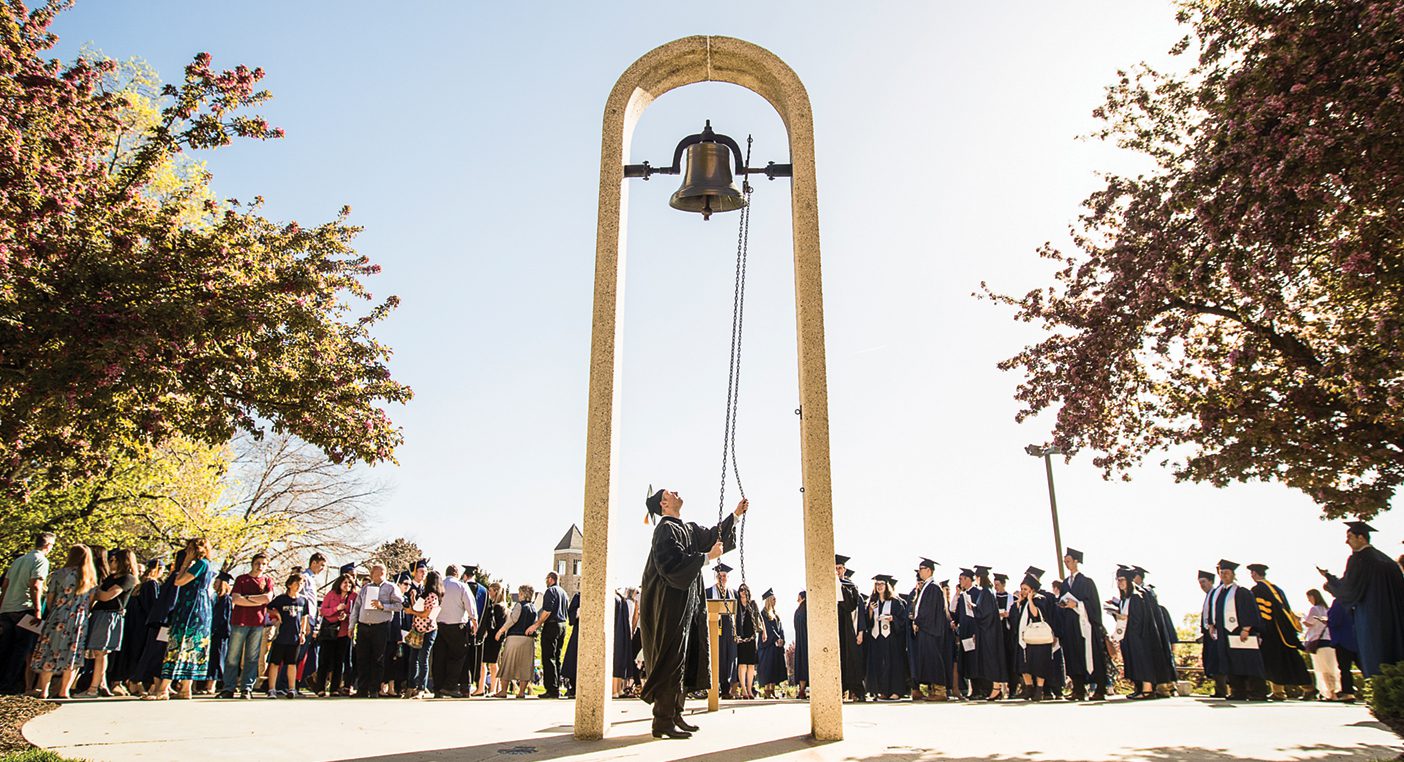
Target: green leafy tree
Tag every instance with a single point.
(397, 554)
(1242, 303)
(133, 307)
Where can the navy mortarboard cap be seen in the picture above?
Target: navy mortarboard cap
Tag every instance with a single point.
(403, 576)
(1001, 577)
(927, 563)
(470, 569)
(1126, 574)
(982, 569)
(840, 560)
(848, 574)
(348, 569)
(879, 577)
(721, 567)
(1140, 571)
(1231, 566)
(422, 563)
(1075, 555)
(769, 593)
(1034, 571)
(1259, 568)
(1360, 527)
(1031, 581)
(967, 573)
(224, 576)
(1206, 575)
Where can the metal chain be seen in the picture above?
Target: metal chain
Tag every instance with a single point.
(733, 380)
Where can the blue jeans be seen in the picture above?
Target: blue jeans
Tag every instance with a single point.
(241, 662)
(419, 661)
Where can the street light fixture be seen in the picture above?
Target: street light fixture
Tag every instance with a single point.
(1047, 452)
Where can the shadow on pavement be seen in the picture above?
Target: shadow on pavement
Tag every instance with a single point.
(562, 745)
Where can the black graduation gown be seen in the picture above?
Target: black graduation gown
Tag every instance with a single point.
(1208, 654)
(861, 635)
(1081, 587)
(977, 617)
(134, 630)
(669, 598)
(1036, 660)
(850, 658)
(1237, 662)
(931, 643)
(1009, 631)
(697, 666)
(771, 669)
(801, 643)
(154, 652)
(222, 609)
(570, 662)
(1143, 653)
(1374, 585)
(887, 668)
(1282, 654)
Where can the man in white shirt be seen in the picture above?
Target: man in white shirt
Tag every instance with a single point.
(458, 619)
(372, 612)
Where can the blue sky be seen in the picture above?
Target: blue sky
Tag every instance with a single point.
(466, 135)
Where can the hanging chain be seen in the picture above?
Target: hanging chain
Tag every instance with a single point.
(733, 380)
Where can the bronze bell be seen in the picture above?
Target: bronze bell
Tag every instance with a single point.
(707, 184)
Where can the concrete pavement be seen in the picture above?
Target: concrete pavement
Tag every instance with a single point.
(393, 730)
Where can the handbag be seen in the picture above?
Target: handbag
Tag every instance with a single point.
(414, 639)
(1038, 634)
(328, 631)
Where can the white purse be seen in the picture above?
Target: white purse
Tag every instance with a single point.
(1038, 634)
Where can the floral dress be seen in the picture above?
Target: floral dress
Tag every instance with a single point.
(65, 625)
(188, 645)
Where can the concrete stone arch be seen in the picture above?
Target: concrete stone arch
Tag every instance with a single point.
(683, 62)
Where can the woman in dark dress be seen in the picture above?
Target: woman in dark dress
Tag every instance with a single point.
(749, 629)
(492, 645)
(770, 669)
(1034, 618)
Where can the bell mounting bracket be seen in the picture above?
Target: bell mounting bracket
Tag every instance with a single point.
(645, 170)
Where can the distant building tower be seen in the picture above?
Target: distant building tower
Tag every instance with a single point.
(567, 560)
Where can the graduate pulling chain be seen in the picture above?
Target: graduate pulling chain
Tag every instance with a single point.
(733, 379)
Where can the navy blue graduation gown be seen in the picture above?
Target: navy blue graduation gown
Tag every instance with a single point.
(1237, 662)
(1374, 585)
(727, 644)
(623, 664)
(1282, 649)
(1081, 587)
(977, 617)
(931, 642)
(850, 657)
(1144, 655)
(1208, 654)
(801, 643)
(770, 667)
(888, 671)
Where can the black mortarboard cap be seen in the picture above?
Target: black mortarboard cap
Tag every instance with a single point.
(1002, 577)
(838, 559)
(1139, 570)
(880, 577)
(1126, 573)
(403, 576)
(927, 563)
(1075, 555)
(348, 569)
(422, 563)
(721, 567)
(1231, 566)
(982, 569)
(967, 573)
(1206, 575)
(654, 502)
(470, 569)
(1034, 571)
(804, 593)
(848, 574)
(769, 593)
(1360, 527)
(224, 576)
(1259, 568)
(1031, 581)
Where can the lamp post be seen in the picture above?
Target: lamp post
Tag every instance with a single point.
(1047, 452)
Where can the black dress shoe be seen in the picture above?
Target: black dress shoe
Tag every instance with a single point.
(670, 733)
(684, 726)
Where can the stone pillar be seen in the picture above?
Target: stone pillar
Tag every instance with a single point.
(683, 62)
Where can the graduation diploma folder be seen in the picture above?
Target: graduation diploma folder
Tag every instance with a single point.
(1251, 644)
